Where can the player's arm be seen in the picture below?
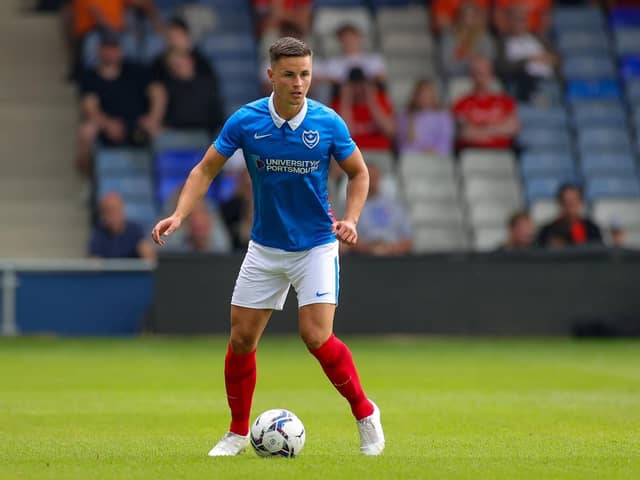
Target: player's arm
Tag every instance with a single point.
(194, 189)
(357, 190)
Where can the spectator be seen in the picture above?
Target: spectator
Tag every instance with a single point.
(523, 58)
(537, 15)
(118, 104)
(617, 235)
(191, 103)
(238, 212)
(468, 37)
(272, 13)
(367, 111)
(338, 69)
(444, 12)
(571, 227)
(204, 233)
(425, 126)
(521, 232)
(384, 227)
(177, 37)
(81, 17)
(115, 237)
(485, 119)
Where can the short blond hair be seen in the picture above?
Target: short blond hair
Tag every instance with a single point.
(288, 47)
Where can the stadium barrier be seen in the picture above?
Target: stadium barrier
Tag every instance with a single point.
(75, 297)
(538, 293)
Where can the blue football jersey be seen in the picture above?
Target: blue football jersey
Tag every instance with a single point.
(288, 161)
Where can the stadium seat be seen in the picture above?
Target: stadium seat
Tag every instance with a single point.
(542, 188)
(612, 187)
(578, 18)
(627, 40)
(543, 137)
(437, 213)
(143, 213)
(573, 42)
(632, 88)
(489, 238)
(492, 163)
(402, 18)
(624, 211)
(425, 164)
(550, 163)
(382, 159)
(219, 46)
(603, 138)
(588, 67)
(430, 189)
(630, 66)
(594, 89)
(492, 189)
(327, 19)
(415, 44)
(177, 162)
(624, 17)
(608, 163)
(181, 139)
(489, 214)
(122, 161)
(598, 113)
(531, 116)
(543, 211)
(431, 239)
(132, 188)
(408, 68)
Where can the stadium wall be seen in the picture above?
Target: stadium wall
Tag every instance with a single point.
(591, 293)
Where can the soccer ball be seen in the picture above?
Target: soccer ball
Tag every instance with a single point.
(277, 433)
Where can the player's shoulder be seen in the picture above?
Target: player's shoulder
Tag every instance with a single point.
(252, 109)
(319, 110)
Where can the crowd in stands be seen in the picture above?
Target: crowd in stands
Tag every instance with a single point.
(493, 57)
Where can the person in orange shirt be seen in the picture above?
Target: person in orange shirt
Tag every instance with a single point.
(444, 12)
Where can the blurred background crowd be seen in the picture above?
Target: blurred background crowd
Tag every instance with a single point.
(486, 124)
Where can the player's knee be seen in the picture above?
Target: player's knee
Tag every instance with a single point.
(314, 339)
(242, 343)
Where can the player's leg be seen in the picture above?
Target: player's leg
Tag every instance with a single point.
(260, 288)
(316, 280)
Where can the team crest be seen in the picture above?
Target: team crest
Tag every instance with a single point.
(310, 138)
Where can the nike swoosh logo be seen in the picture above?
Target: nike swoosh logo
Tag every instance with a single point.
(319, 294)
(258, 137)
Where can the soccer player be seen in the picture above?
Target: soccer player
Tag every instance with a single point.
(288, 141)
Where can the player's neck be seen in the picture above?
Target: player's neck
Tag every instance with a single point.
(285, 110)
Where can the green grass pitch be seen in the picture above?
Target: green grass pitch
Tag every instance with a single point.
(151, 408)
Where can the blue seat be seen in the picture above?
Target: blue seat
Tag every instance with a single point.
(544, 188)
(587, 113)
(591, 42)
(547, 163)
(604, 138)
(531, 116)
(181, 140)
(627, 40)
(577, 18)
(625, 17)
(143, 213)
(612, 187)
(594, 89)
(544, 137)
(632, 87)
(225, 46)
(630, 66)
(584, 67)
(122, 161)
(608, 163)
(132, 188)
(177, 162)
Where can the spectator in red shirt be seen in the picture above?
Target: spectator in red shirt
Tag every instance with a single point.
(485, 119)
(367, 111)
(571, 227)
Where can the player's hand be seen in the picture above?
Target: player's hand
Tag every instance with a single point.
(346, 232)
(164, 228)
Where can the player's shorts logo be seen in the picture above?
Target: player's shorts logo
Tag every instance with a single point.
(310, 138)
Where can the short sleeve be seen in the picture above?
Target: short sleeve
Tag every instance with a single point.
(342, 145)
(230, 137)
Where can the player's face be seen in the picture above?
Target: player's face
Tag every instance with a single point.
(291, 78)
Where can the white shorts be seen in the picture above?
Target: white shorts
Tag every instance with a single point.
(267, 273)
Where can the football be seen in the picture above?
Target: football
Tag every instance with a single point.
(276, 433)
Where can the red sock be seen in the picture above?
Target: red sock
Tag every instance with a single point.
(240, 381)
(337, 362)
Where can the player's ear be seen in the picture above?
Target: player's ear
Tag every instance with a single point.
(270, 74)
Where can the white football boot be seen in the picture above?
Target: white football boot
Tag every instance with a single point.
(371, 434)
(231, 444)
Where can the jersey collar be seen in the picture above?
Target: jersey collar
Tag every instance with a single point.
(295, 122)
